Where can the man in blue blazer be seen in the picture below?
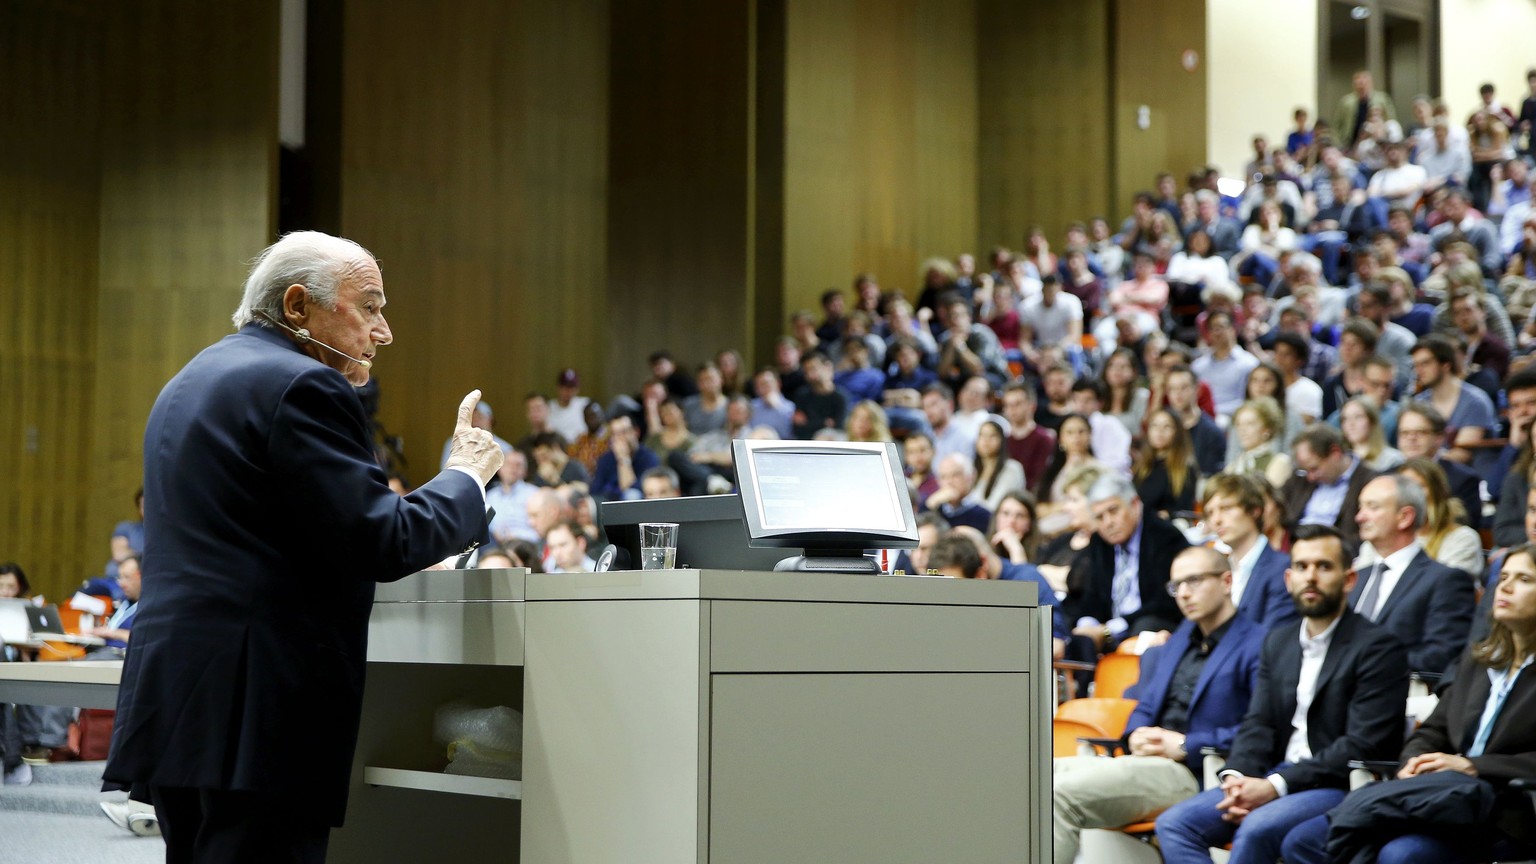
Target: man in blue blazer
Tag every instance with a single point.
(267, 524)
(1330, 689)
(1193, 692)
(1233, 507)
(1425, 604)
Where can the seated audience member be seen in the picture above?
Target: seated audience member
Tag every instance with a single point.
(1426, 605)
(1207, 439)
(1303, 396)
(1290, 759)
(918, 458)
(905, 380)
(1056, 385)
(676, 381)
(536, 409)
(127, 539)
(973, 404)
(1198, 264)
(1054, 316)
(1461, 222)
(820, 403)
(1325, 490)
(1399, 183)
(567, 409)
(1447, 158)
(1124, 397)
(1081, 279)
(997, 475)
(1460, 275)
(1225, 365)
(1394, 341)
(833, 309)
(553, 465)
(1360, 424)
(1377, 379)
(866, 422)
(618, 470)
(1483, 727)
(1068, 525)
(1263, 244)
(117, 629)
(669, 431)
(967, 349)
(1118, 585)
(856, 374)
(1267, 381)
(1192, 694)
(1015, 531)
(1225, 233)
(493, 556)
(1507, 481)
(1141, 298)
(660, 482)
(1165, 471)
(954, 557)
(786, 364)
(930, 527)
(1299, 318)
(769, 407)
(949, 437)
(546, 508)
(1074, 449)
(1029, 443)
(509, 494)
(1445, 534)
(956, 499)
(711, 453)
(1233, 508)
(705, 411)
(591, 443)
(1487, 356)
(30, 735)
(1258, 427)
(1420, 430)
(1111, 440)
(566, 549)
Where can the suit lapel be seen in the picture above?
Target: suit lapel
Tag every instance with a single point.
(1404, 583)
(1216, 664)
(1337, 648)
(1172, 652)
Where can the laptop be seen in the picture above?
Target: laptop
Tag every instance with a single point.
(34, 624)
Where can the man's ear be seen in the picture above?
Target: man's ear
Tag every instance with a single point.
(296, 304)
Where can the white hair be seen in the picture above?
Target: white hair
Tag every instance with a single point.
(1111, 486)
(309, 258)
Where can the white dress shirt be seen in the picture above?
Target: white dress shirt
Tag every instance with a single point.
(1388, 571)
(1242, 571)
(1313, 650)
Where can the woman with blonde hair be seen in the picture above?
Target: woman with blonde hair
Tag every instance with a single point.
(1259, 426)
(1361, 424)
(1445, 539)
(867, 422)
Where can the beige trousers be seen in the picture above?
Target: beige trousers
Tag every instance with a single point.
(1099, 792)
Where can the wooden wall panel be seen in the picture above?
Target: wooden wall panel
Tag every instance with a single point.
(188, 191)
(1044, 82)
(679, 183)
(49, 187)
(474, 165)
(1148, 44)
(880, 153)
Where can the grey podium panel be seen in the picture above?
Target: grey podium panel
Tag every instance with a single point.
(868, 637)
(482, 634)
(891, 768)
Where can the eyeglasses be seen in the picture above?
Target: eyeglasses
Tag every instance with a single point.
(1191, 581)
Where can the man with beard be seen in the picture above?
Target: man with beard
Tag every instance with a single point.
(1331, 688)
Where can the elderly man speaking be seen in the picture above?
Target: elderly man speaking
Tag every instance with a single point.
(267, 524)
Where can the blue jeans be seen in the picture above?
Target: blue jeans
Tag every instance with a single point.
(1308, 844)
(1187, 830)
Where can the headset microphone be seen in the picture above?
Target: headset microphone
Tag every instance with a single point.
(302, 334)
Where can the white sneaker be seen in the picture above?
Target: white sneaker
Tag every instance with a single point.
(21, 775)
(134, 816)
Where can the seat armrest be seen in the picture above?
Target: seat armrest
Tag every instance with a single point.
(1528, 786)
(1100, 747)
(1363, 772)
(1212, 761)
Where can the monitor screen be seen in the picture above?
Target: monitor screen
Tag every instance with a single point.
(824, 494)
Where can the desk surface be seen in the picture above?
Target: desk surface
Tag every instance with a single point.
(70, 672)
(76, 683)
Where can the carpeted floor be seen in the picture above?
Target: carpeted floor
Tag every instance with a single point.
(56, 820)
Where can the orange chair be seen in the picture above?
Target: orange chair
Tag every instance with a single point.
(1108, 714)
(1065, 733)
(1114, 674)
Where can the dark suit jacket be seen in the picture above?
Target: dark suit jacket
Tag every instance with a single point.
(267, 523)
(1222, 693)
(1464, 485)
(1298, 490)
(1511, 749)
(1356, 713)
(1090, 582)
(1429, 612)
(1265, 599)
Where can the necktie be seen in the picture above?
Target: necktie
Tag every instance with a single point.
(1122, 585)
(1367, 604)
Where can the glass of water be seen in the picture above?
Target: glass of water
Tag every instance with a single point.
(658, 545)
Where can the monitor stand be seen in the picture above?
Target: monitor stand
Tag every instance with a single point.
(830, 561)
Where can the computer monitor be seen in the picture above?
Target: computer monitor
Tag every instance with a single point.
(710, 535)
(834, 499)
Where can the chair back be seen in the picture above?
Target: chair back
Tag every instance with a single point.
(1115, 673)
(1109, 715)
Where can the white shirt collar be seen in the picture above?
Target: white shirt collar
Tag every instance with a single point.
(1318, 644)
(1400, 559)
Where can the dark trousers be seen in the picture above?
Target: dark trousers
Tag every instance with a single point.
(212, 826)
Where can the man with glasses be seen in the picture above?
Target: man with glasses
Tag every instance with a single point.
(1192, 694)
(1379, 381)
(1326, 488)
(1420, 433)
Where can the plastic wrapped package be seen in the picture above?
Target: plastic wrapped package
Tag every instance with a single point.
(481, 742)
